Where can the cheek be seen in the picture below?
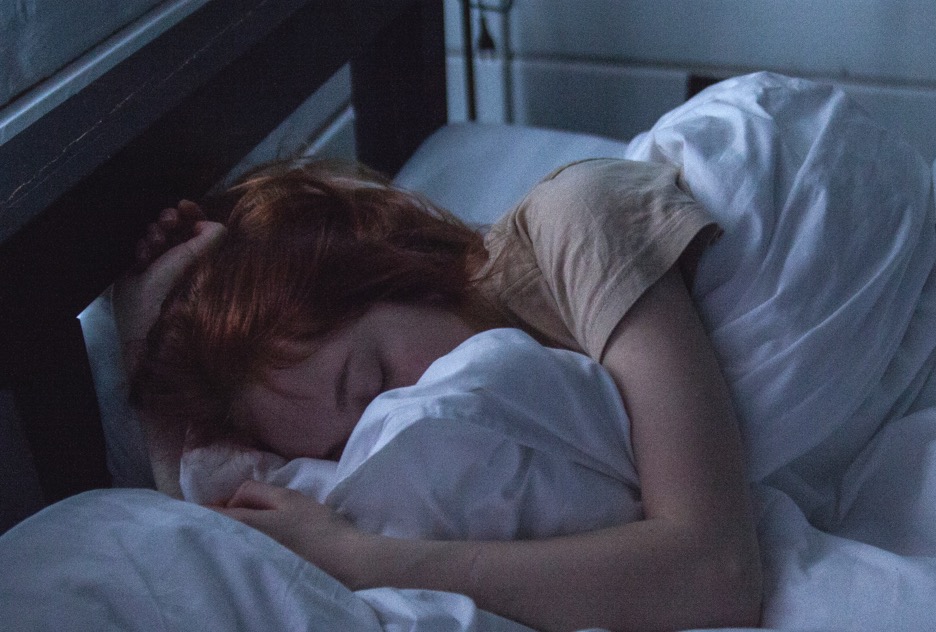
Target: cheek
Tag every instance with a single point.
(279, 425)
(294, 428)
(405, 369)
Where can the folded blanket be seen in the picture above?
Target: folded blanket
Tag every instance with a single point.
(500, 439)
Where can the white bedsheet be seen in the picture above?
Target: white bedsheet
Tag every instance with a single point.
(821, 304)
(137, 560)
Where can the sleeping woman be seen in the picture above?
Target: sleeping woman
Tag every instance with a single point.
(324, 288)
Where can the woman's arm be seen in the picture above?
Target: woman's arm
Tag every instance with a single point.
(171, 245)
(693, 561)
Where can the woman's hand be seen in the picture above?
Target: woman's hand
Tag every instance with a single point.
(171, 245)
(311, 530)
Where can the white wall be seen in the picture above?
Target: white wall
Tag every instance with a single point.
(613, 66)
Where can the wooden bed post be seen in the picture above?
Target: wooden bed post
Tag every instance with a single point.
(399, 87)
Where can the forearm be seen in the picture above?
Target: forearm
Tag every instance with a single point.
(171, 246)
(163, 446)
(641, 576)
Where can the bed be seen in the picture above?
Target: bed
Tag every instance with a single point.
(836, 392)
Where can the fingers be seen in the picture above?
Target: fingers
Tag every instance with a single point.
(173, 262)
(310, 529)
(241, 515)
(206, 235)
(190, 211)
(185, 213)
(173, 226)
(247, 503)
(256, 495)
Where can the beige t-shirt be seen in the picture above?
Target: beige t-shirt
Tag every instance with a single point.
(586, 242)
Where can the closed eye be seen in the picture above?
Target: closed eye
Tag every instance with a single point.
(341, 385)
(382, 387)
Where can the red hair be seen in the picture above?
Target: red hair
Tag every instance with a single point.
(309, 248)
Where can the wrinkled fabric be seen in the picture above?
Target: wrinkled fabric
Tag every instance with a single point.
(138, 560)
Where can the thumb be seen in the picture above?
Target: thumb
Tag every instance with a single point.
(256, 495)
(206, 237)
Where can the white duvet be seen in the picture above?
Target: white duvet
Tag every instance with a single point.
(821, 304)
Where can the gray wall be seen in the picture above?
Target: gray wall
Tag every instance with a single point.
(613, 66)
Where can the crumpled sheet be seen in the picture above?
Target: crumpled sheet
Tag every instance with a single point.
(138, 560)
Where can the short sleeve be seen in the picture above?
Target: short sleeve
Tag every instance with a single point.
(587, 242)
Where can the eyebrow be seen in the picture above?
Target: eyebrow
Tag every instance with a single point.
(341, 385)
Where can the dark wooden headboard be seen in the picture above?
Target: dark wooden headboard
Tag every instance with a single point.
(79, 185)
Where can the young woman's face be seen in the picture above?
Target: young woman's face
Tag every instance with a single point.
(310, 409)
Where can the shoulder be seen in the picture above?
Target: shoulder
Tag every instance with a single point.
(605, 196)
(606, 181)
(598, 171)
(586, 242)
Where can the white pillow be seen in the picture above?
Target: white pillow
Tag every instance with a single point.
(481, 170)
(127, 455)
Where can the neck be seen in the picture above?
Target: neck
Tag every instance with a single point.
(481, 314)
